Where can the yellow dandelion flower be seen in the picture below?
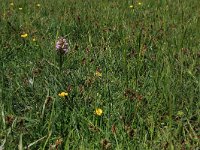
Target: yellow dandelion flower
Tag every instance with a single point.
(139, 3)
(20, 8)
(34, 39)
(38, 5)
(11, 4)
(98, 74)
(131, 6)
(24, 35)
(63, 94)
(98, 112)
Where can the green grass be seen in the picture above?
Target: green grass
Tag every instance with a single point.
(149, 57)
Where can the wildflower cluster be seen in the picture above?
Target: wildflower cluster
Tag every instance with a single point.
(62, 46)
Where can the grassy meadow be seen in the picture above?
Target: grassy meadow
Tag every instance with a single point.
(131, 75)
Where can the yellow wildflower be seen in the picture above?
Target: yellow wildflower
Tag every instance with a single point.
(24, 35)
(38, 5)
(131, 6)
(34, 39)
(98, 74)
(20, 8)
(98, 111)
(11, 4)
(63, 94)
(139, 3)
